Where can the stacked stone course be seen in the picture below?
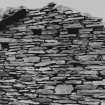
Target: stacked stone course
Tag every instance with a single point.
(53, 56)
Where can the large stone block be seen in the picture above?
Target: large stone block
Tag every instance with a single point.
(63, 89)
(31, 59)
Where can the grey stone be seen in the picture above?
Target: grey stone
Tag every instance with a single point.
(63, 89)
(44, 63)
(36, 52)
(44, 91)
(31, 59)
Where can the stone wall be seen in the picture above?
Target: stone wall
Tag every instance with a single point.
(54, 56)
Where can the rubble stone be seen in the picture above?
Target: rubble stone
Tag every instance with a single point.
(51, 56)
(63, 89)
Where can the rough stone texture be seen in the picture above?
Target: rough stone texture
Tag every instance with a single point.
(52, 56)
(63, 89)
(31, 59)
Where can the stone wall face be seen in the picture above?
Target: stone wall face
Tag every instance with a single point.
(54, 56)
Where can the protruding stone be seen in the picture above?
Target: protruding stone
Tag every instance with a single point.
(52, 4)
(63, 89)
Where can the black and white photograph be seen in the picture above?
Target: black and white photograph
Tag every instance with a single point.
(52, 52)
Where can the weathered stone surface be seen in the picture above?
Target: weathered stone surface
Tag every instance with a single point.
(7, 40)
(44, 68)
(89, 102)
(91, 92)
(37, 52)
(10, 53)
(51, 56)
(31, 59)
(87, 57)
(44, 63)
(43, 100)
(65, 101)
(99, 82)
(103, 102)
(63, 89)
(44, 91)
(27, 78)
(11, 80)
(11, 58)
(28, 102)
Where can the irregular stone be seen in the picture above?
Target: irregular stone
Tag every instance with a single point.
(10, 53)
(85, 30)
(55, 104)
(89, 102)
(51, 41)
(65, 101)
(55, 55)
(95, 67)
(88, 72)
(11, 58)
(37, 52)
(43, 100)
(102, 73)
(102, 103)
(44, 63)
(60, 62)
(28, 102)
(49, 87)
(92, 78)
(31, 59)
(50, 44)
(13, 94)
(49, 82)
(7, 40)
(52, 51)
(73, 82)
(19, 85)
(26, 78)
(27, 68)
(44, 68)
(99, 82)
(91, 92)
(95, 44)
(11, 80)
(31, 95)
(44, 91)
(87, 57)
(75, 25)
(41, 78)
(58, 78)
(86, 87)
(99, 96)
(94, 25)
(63, 89)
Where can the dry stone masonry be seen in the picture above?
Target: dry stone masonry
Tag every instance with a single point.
(52, 56)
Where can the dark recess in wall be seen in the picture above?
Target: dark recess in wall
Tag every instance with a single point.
(37, 31)
(5, 45)
(72, 30)
(12, 18)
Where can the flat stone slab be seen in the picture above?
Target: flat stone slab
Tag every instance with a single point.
(32, 59)
(7, 40)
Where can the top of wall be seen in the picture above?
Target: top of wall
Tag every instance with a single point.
(51, 9)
